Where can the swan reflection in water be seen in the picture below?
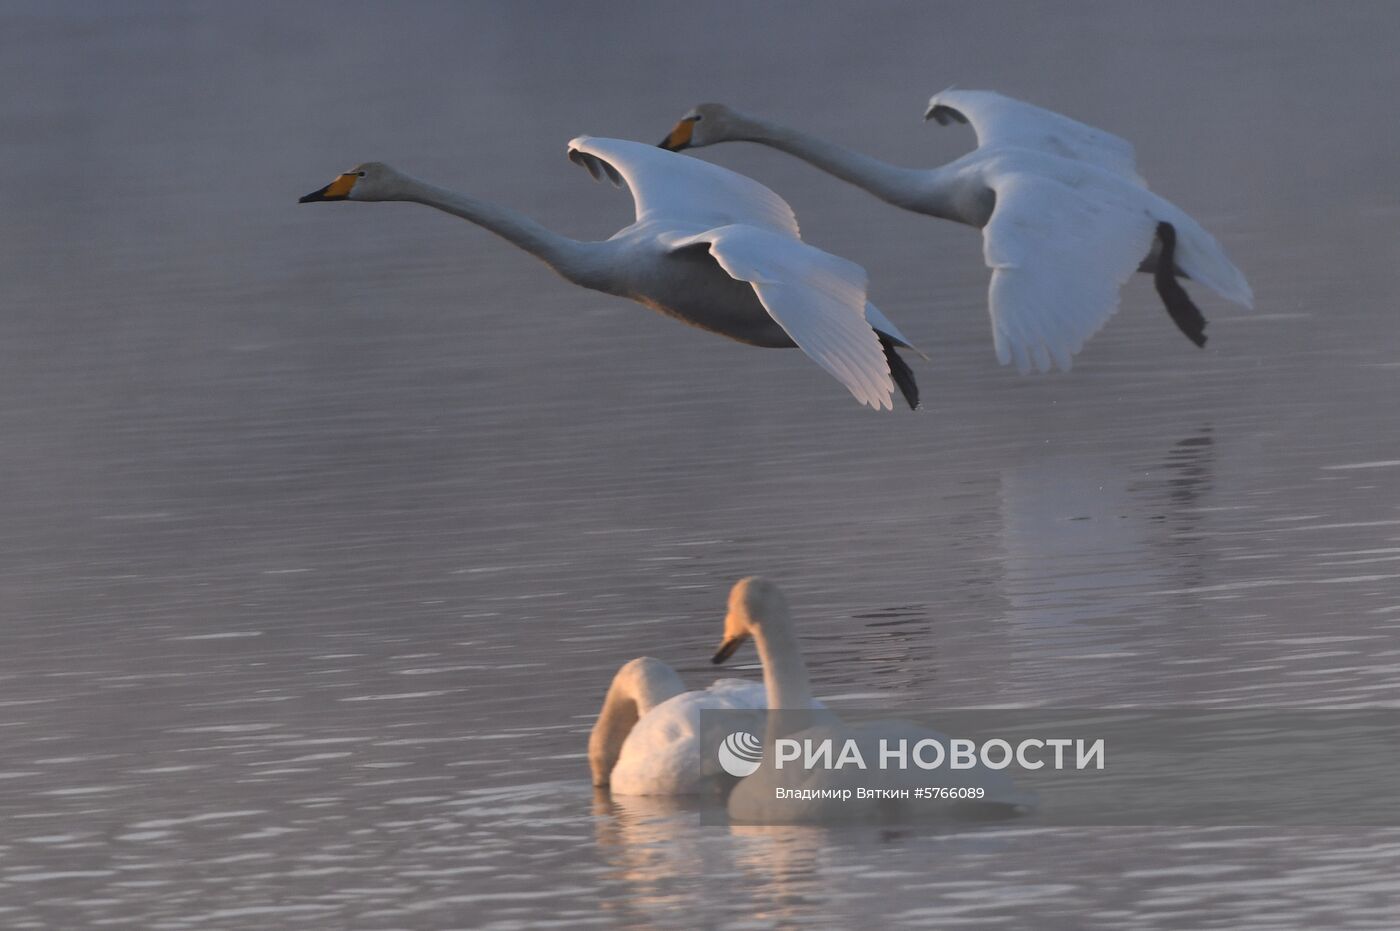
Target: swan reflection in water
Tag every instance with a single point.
(1087, 555)
(670, 867)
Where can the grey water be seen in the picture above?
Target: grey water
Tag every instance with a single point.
(324, 527)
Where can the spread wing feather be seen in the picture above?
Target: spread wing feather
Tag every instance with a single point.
(680, 190)
(1002, 121)
(817, 298)
(1059, 256)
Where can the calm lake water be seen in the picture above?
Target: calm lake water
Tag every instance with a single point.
(325, 528)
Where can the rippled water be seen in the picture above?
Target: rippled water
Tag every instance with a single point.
(325, 527)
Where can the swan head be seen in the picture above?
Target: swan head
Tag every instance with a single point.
(367, 181)
(753, 604)
(703, 125)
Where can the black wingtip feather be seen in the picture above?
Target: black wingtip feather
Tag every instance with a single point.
(945, 114)
(1185, 314)
(901, 373)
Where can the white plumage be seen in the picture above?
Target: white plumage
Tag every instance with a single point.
(646, 740)
(1002, 121)
(661, 755)
(817, 298)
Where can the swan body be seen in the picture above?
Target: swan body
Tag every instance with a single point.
(709, 247)
(646, 740)
(1066, 219)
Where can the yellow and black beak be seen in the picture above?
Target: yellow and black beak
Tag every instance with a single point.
(726, 649)
(339, 189)
(679, 138)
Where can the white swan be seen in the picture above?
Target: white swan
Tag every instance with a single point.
(647, 737)
(1065, 218)
(646, 740)
(709, 247)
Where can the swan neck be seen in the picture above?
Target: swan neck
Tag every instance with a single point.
(637, 688)
(784, 672)
(577, 261)
(888, 182)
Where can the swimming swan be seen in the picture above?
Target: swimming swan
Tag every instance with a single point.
(646, 740)
(709, 247)
(647, 737)
(1065, 218)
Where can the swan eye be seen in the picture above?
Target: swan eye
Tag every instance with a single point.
(697, 118)
(360, 174)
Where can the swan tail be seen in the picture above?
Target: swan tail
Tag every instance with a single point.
(1200, 257)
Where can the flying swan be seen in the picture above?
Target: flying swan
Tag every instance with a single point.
(1065, 218)
(709, 247)
(647, 738)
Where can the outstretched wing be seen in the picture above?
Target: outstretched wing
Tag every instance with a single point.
(817, 298)
(1059, 255)
(1000, 120)
(682, 190)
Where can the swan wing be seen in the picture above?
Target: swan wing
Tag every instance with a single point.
(1061, 244)
(1002, 121)
(1059, 255)
(682, 191)
(817, 298)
